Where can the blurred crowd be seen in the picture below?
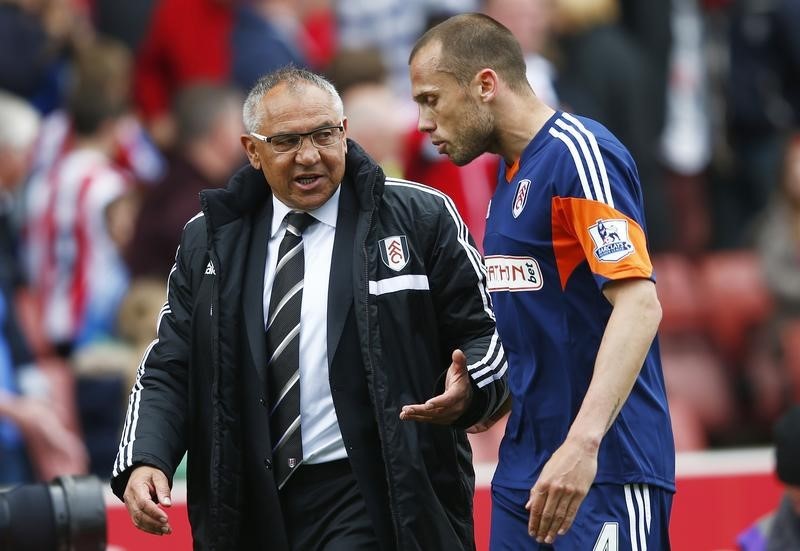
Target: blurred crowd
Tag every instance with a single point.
(115, 113)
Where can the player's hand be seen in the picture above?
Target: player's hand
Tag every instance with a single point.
(145, 495)
(501, 412)
(564, 482)
(449, 405)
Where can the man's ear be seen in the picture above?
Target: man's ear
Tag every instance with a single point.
(344, 138)
(487, 83)
(250, 150)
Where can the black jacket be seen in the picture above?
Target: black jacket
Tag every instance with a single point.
(391, 332)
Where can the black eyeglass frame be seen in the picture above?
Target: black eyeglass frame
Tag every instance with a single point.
(301, 136)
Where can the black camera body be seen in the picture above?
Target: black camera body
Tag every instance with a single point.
(67, 514)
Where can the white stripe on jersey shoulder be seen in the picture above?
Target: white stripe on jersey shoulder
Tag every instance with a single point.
(598, 157)
(582, 146)
(586, 155)
(576, 159)
(472, 253)
(399, 283)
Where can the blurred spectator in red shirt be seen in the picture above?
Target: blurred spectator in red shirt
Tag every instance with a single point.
(187, 41)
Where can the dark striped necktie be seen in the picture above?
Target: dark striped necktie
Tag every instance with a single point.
(283, 349)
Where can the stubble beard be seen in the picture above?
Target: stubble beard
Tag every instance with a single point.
(476, 137)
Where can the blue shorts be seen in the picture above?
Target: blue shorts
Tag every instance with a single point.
(608, 517)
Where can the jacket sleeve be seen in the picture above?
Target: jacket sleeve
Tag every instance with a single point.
(458, 283)
(155, 422)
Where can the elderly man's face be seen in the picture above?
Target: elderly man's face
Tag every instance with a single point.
(304, 179)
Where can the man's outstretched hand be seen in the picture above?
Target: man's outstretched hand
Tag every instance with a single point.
(448, 406)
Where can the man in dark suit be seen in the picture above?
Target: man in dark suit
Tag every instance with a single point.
(309, 303)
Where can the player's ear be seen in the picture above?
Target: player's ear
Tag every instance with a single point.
(486, 82)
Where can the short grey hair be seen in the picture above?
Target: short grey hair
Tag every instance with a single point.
(19, 122)
(292, 77)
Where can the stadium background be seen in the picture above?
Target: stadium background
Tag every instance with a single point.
(705, 93)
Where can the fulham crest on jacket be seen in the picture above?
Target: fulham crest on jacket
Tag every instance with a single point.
(394, 252)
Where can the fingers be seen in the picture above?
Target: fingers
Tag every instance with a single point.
(145, 514)
(459, 359)
(412, 411)
(552, 512)
(445, 400)
(550, 518)
(144, 485)
(536, 505)
(162, 489)
(151, 518)
(425, 412)
(569, 517)
(450, 404)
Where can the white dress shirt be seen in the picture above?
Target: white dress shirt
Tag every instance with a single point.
(322, 439)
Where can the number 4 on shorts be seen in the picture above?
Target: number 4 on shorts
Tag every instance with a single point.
(608, 540)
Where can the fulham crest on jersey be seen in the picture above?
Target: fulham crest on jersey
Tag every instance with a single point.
(520, 197)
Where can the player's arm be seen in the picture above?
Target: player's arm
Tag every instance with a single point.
(567, 476)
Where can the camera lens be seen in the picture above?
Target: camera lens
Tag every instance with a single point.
(26, 519)
(68, 514)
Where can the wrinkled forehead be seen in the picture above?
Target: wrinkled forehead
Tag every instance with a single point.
(299, 107)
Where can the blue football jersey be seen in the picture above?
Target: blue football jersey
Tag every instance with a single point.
(564, 220)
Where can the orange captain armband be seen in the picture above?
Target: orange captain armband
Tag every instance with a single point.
(613, 244)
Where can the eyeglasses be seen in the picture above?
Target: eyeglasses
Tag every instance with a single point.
(326, 136)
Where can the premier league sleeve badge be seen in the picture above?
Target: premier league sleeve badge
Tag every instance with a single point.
(611, 240)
